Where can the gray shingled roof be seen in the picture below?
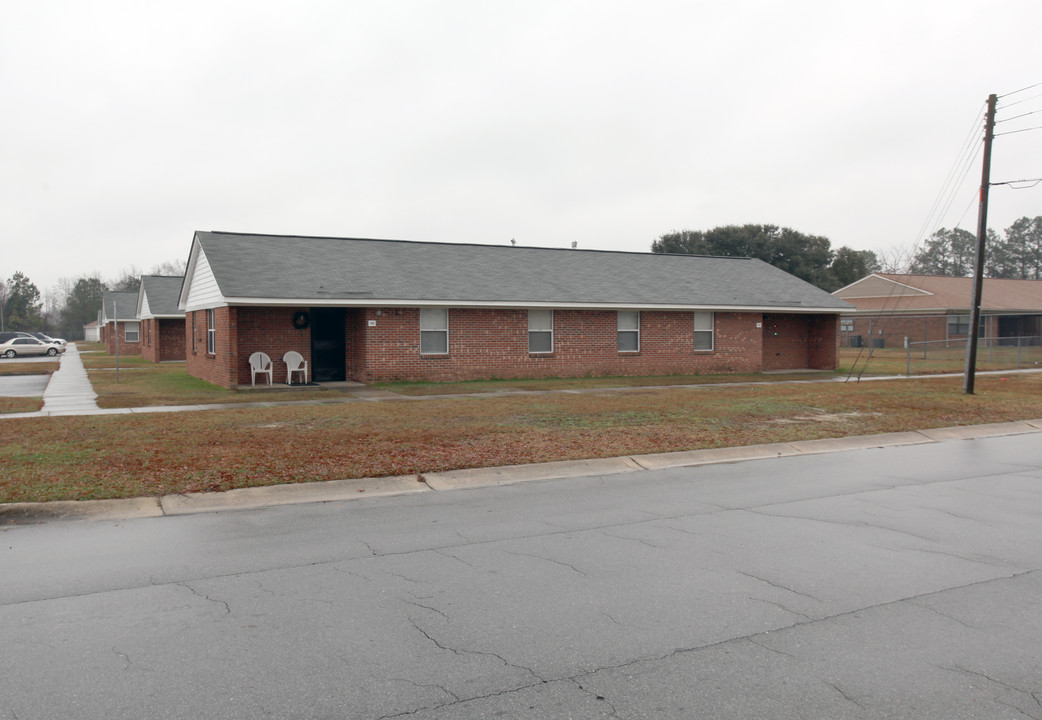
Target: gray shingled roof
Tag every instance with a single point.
(162, 292)
(355, 270)
(125, 304)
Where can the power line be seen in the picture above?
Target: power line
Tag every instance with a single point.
(1018, 102)
(1014, 132)
(959, 169)
(1015, 117)
(1021, 90)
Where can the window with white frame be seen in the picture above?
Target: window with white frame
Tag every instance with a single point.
(132, 332)
(703, 331)
(434, 331)
(211, 333)
(629, 330)
(846, 326)
(540, 331)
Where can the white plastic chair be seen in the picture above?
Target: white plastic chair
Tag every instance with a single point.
(295, 362)
(260, 363)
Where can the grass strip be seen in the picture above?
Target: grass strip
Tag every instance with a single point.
(82, 457)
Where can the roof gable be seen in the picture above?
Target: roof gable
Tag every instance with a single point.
(230, 268)
(118, 306)
(936, 292)
(878, 286)
(158, 296)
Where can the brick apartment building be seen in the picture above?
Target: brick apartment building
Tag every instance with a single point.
(118, 323)
(935, 309)
(380, 310)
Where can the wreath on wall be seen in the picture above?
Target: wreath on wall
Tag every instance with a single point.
(301, 320)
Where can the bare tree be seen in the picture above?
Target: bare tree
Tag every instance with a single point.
(170, 268)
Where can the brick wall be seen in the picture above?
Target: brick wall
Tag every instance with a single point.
(494, 343)
(163, 340)
(793, 342)
(822, 342)
(125, 348)
(221, 367)
(150, 339)
(893, 329)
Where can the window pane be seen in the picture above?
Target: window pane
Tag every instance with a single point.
(703, 340)
(628, 341)
(703, 321)
(434, 342)
(541, 320)
(540, 342)
(629, 320)
(434, 319)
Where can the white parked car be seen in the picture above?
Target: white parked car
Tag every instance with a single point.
(29, 346)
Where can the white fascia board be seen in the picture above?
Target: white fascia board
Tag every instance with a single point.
(382, 303)
(193, 256)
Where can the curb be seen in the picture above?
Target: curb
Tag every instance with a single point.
(354, 489)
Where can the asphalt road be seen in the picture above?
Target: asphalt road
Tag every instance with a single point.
(889, 583)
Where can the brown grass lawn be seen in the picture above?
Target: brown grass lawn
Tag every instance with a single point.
(169, 384)
(16, 367)
(155, 454)
(19, 405)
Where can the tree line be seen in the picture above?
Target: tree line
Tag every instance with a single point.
(1014, 254)
(808, 257)
(71, 304)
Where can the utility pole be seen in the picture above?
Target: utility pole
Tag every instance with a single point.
(115, 333)
(982, 232)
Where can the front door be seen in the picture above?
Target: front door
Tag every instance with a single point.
(328, 347)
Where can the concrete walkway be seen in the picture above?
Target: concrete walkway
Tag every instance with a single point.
(69, 392)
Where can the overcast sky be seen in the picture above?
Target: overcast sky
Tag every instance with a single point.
(126, 126)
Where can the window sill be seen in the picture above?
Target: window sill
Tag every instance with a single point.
(541, 354)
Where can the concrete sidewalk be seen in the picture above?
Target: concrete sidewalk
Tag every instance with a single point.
(69, 391)
(354, 489)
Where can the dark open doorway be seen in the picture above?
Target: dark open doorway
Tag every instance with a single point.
(328, 347)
